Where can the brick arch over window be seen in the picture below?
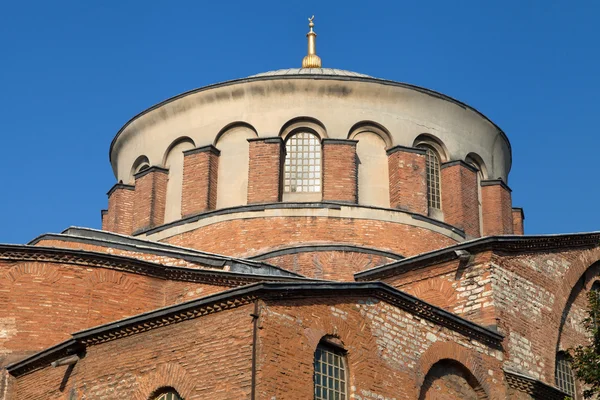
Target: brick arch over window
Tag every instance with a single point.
(459, 355)
(588, 263)
(165, 376)
(140, 164)
(307, 124)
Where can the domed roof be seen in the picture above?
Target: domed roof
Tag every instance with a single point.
(311, 71)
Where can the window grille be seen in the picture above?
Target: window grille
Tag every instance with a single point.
(302, 169)
(432, 166)
(168, 395)
(330, 373)
(564, 375)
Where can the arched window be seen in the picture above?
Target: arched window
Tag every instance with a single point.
(432, 166)
(331, 375)
(167, 394)
(564, 375)
(302, 168)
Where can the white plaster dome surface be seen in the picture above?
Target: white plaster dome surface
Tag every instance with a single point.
(337, 99)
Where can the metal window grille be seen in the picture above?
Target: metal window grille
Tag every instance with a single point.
(564, 375)
(302, 168)
(330, 373)
(170, 395)
(432, 165)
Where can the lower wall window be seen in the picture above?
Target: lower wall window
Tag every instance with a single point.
(330, 373)
(564, 375)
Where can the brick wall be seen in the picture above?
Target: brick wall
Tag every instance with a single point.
(150, 198)
(216, 367)
(461, 287)
(330, 265)
(408, 179)
(200, 174)
(496, 206)
(264, 173)
(539, 306)
(389, 351)
(340, 170)
(44, 302)
(247, 237)
(460, 196)
(119, 217)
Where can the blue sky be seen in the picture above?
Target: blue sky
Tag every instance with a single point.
(73, 72)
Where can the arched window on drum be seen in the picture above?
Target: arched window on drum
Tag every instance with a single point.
(432, 166)
(302, 167)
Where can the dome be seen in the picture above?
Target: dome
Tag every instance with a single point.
(311, 71)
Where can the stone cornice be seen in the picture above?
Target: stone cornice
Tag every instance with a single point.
(119, 186)
(146, 171)
(209, 148)
(246, 295)
(536, 389)
(508, 243)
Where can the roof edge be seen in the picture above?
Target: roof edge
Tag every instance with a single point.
(509, 243)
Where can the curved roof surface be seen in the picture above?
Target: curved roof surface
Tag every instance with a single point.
(310, 71)
(338, 74)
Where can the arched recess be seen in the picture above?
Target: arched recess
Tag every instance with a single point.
(232, 182)
(307, 124)
(173, 161)
(578, 295)
(583, 270)
(449, 379)
(427, 139)
(140, 164)
(456, 356)
(373, 172)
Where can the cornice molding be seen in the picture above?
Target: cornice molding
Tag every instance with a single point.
(134, 265)
(536, 389)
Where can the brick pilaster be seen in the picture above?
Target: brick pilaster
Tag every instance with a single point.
(460, 197)
(200, 174)
(264, 170)
(150, 198)
(340, 170)
(408, 179)
(518, 217)
(497, 208)
(119, 217)
(104, 219)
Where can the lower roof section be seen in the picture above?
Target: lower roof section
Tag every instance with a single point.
(245, 295)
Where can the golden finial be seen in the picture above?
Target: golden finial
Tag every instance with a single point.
(311, 60)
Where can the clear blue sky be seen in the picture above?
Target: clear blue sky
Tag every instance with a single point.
(73, 72)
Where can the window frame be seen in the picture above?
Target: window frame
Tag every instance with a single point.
(338, 354)
(431, 149)
(563, 372)
(295, 158)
